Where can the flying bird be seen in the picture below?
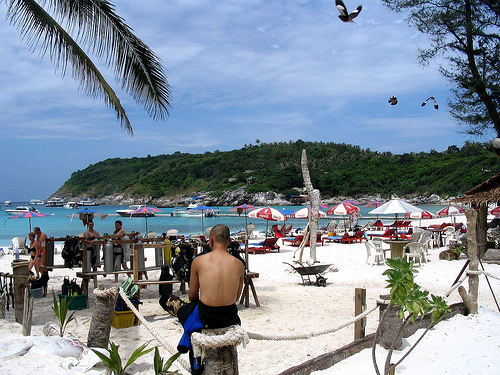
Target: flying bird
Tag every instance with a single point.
(393, 100)
(495, 147)
(431, 98)
(344, 15)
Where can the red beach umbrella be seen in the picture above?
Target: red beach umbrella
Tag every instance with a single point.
(419, 215)
(495, 211)
(268, 213)
(147, 211)
(305, 212)
(351, 202)
(29, 215)
(342, 209)
(450, 210)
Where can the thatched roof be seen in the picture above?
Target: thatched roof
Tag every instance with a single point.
(488, 191)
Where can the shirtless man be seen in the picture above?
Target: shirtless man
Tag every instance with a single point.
(92, 234)
(118, 233)
(215, 285)
(216, 277)
(41, 238)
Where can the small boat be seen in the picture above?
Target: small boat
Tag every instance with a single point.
(71, 205)
(88, 202)
(36, 201)
(21, 209)
(128, 212)
(7, 203)
(54, 202)
(193, 212)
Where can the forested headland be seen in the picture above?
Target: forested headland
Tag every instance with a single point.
(335, 169)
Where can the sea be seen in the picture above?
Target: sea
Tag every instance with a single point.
(59, 224)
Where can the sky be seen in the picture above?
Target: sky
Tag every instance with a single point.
(239, 71)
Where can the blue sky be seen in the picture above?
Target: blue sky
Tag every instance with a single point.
(239, 70)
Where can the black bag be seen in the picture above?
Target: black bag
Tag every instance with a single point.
(70, 288)
(165, 289)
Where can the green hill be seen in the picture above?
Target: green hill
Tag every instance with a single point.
(335, 169)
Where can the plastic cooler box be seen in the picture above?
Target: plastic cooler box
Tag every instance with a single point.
(76, 302)
(123, 319)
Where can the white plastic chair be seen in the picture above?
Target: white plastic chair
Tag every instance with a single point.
(373, 254)
(449, 234)
(415, 252)
(19, 243)
(426, 240)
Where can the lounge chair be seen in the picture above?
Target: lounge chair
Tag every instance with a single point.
(293, 241)
(389, 233)
(268, 245)
(346, 238)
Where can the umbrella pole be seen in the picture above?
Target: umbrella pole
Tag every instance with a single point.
(147, 224)
(29, 219)
(246, 242)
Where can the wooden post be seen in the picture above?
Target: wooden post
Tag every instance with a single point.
(472, 253)
(20, 271)
(359, 308)
(223, 360)
(27, 313)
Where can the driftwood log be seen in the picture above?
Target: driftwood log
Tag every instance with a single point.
(102, 317)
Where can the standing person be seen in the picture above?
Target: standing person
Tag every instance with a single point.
(215, 285)
(34, 249)
(92, 234)
(41, 238)
(119, 233)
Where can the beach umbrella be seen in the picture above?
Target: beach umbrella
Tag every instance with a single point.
(495, 211)
(203, 210)
(419, 215)
(147, 211)
(269, 214)
(450, 210)
(351, 202)
(244, 208)
(395, 207)
(286, 211)
(343, 209)
(29, 215)
(87, 215)
(305, 212)
(374, 204)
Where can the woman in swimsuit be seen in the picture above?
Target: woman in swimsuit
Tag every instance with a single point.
(35, 250)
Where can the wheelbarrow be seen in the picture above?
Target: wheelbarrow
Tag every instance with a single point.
(307, 271)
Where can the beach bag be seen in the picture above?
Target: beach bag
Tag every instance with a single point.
(70, 288)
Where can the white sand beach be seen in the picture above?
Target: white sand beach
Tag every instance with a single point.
(461, 345)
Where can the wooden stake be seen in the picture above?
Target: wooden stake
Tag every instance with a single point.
(359, 308)
(27, 313)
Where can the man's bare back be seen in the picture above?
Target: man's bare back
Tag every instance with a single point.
(216, 277)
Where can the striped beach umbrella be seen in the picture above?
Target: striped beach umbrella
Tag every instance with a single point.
(305, 212)
(450, 210)
(29, 215)
(147, 211)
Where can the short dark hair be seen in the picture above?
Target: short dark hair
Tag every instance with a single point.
(221, 234)
(119, 222)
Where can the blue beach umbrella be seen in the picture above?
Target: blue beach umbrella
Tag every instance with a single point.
(203, 210)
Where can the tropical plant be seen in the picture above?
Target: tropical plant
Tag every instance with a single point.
(61, 311)
(161, 367)
(113, 360)
(414, 304)
(96, 27)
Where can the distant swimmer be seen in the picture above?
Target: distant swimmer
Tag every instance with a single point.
(344, 15)
(431, 98)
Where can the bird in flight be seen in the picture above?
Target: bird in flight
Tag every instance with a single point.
(431, 98)
(344, 15)
(393, 100)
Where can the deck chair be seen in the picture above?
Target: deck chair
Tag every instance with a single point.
(374, 254)
(268, 245)
(249, 229)
(415, 252)
(293, 241)
(150, 235)
(389, 233)
(345, 239)
(19, 244)
(331, 227)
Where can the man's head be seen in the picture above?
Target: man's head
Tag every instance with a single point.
(220, 234)
(118, 224)
(90, 225)
(37, 230)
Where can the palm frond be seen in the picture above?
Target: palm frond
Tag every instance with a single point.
(108, 36)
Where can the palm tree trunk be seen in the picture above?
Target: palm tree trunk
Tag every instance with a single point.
(104, 309)
(314, 198)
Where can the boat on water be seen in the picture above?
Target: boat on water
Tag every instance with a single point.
(88, 202)
(71, 205)
(20, 210)
(7, 203)
(194, 210)
(34, 202)
(54, 202)
(129, 211)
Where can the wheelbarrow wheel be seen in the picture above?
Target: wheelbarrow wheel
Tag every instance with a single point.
(320, 281)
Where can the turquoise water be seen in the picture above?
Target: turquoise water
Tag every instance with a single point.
(58, 224)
